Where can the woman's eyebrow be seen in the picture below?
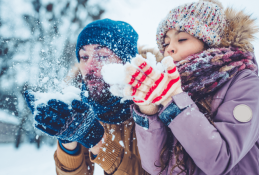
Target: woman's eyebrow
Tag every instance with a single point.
(177, 32)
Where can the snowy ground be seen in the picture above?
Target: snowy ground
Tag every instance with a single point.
(28, 160)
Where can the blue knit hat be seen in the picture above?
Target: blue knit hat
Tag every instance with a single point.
(118, 36)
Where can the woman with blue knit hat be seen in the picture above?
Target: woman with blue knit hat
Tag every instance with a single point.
(201, 115)
(98, 128)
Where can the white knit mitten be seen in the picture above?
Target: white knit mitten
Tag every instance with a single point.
(147, 86)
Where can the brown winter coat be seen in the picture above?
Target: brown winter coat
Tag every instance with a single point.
(125, 158)
(114, 157)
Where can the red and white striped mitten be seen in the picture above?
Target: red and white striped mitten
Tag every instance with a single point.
(148, 86)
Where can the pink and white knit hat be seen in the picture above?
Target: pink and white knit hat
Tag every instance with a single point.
(204, 20)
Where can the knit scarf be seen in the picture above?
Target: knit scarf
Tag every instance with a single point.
(111, 111)
(204, 73)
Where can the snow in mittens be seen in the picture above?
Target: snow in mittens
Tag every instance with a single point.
(115, 74)
(68, 94)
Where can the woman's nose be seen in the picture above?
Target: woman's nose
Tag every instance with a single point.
(171, 49)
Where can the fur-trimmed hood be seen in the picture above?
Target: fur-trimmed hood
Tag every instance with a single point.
(240, 30)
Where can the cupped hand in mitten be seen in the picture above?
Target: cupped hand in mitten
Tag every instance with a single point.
(148, 86)
(67, 123)
(51, 117)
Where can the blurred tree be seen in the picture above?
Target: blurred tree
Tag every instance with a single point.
(37, 47)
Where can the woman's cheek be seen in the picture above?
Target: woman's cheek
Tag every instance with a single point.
(184, 54)
(189, 52)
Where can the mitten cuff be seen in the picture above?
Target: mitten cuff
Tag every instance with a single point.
(143, 120)
(169, 113)
(93, 136)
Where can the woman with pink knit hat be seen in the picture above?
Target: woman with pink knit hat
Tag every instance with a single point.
(201, 115)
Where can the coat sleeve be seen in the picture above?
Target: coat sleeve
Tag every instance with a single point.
(151, 138)
(116, 160)
(73, 164)
(217, 149)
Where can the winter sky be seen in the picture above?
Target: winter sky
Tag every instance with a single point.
(145, 15)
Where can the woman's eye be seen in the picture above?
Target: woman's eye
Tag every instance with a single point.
(165, 45)
(180, 40)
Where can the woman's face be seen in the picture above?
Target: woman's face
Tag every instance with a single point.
(180, 45)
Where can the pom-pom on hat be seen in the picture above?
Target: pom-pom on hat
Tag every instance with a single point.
(118, 36)
(204, 20)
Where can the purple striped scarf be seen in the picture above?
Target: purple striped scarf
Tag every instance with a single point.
(204, 73)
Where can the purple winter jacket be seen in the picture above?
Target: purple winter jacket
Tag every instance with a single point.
(231, 147)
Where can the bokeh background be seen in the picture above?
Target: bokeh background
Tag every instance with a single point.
(37, 46)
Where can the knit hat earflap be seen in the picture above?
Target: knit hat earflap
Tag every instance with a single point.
(118, 36)
(204, 20)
